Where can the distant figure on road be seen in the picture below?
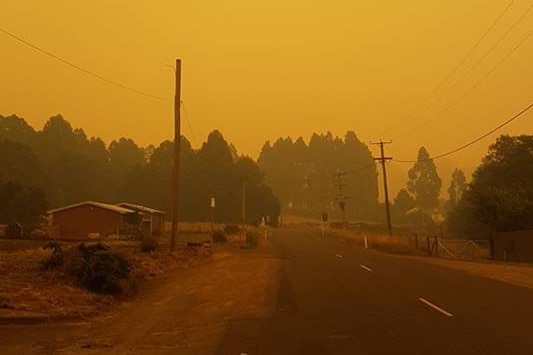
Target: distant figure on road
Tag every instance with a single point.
(324, 222)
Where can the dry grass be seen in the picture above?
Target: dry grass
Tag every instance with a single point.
(25, 286)
(448, 248)
(394, 244)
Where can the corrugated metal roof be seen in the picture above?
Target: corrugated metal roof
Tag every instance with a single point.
(106, 206)
(139, 208)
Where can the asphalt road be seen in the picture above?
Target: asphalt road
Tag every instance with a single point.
(337, 298)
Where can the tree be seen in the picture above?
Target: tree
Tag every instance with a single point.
(81, 168)
(21, 204)
(125, 155)
(500, 195)
(18, 163)
(402, 204)
(456, 189)
(124, 158)
(16, 129)
(424, 183)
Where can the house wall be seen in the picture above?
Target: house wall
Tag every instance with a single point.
(158, 221)
(78, 222)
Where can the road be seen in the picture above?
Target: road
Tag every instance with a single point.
(337, 298)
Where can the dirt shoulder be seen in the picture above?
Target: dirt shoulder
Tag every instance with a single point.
(187, 311)
(516, 274)
(190, 312)
(30, 293)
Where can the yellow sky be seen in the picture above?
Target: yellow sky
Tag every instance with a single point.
(260, 70)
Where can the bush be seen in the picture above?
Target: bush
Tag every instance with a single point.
(149, 244)
(56, 259)
(251, 240)
(100, 269)
(219, 237)
(232, 229)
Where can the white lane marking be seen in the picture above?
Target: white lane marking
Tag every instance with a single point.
(435, 307)
(365, 267)
(339, 256)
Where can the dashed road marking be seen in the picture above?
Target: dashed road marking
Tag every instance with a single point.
(339, 256)
(435, 307)
(365, 267)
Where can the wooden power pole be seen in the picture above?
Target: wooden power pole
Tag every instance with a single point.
(176, 167)
(244, 202)
(383, 159)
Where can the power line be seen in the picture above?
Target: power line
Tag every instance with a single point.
(505, 123)
(457, 66)
(189, 124)
(469, 91)
(485, 55)
(322, 177)
(83, 70)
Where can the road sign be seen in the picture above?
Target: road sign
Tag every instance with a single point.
(212, 202)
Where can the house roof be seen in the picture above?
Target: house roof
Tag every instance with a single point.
(105, 206)
(140, 208)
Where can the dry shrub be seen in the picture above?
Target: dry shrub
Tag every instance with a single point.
(56, 259)
(232, 229)
(219, 237)
(100, 269)
(251, 240)
(149, 244)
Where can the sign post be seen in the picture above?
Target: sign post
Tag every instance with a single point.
(212, 204)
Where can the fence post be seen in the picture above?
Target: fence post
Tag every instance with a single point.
(429, 246)
(491, 246)
(416, 242)
(437, 246)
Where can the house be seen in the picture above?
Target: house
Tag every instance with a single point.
(152, 220)
(90, 219)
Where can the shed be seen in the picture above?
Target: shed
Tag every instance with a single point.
(152, 220)
(87, 219)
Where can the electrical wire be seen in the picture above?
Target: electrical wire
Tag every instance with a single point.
(189, 123)
(455, 69)
(81, 69)
(325, 176)
(485, 55)
(453, 151)
(482, 58)
(472, 88)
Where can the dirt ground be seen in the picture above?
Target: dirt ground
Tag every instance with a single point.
(186, 312)
(27, 290)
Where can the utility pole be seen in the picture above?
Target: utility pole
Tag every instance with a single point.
(383, 159)
(244, 203)
(341, 197)
(176, 167)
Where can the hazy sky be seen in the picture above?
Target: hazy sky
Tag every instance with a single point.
(260, 70)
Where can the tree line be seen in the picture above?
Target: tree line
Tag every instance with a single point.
(499, 197)
(61, 165)
(327, 174)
